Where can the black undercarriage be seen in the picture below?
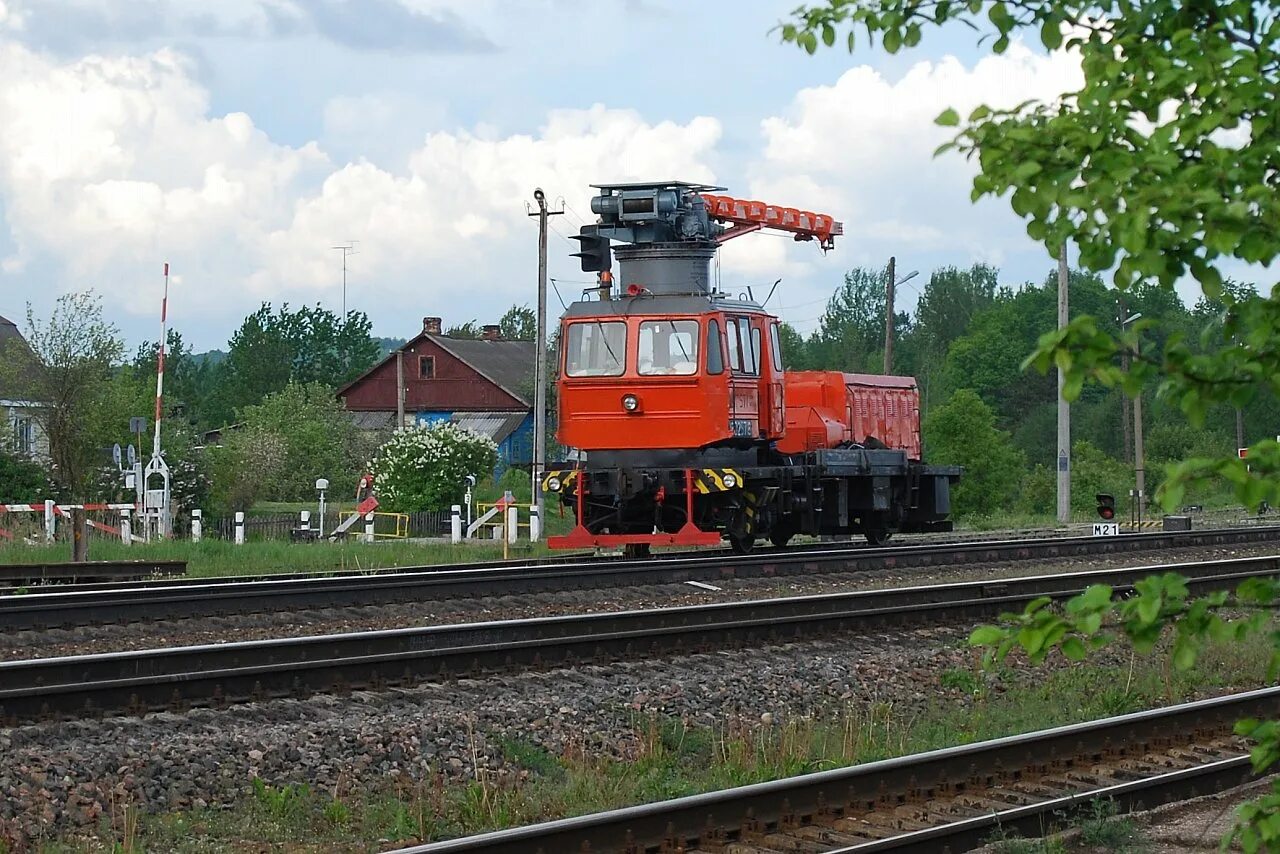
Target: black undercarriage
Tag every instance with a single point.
(754, 494)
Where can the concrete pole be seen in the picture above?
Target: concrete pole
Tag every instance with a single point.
(400, 389)
(888, 318)
(1139, 464)
(540, 361)
(1239, 428)
(1064, 410)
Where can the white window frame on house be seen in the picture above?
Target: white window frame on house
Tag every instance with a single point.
(24, 434)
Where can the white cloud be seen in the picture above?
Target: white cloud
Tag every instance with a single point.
(862, 150)
(110, 164)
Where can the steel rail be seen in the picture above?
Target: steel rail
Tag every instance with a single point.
(731, 814)
(217, 674)
(196, 599)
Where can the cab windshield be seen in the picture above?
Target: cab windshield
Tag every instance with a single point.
(668, 348)
(596, 349)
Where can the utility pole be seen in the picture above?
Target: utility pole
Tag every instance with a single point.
(1139, 474)
(400, 388)
(540, 371)
(1126, 405)
(348, 248)
(1138, 457)
(1064, 410)
(888, 319)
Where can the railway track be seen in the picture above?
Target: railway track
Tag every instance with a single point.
(220, 674)
(945, 800)
(219, 597)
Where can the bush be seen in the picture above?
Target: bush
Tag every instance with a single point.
(22, 479)
(963, 432)
(424, 468)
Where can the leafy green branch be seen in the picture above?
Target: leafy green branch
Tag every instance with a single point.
(1158, 607)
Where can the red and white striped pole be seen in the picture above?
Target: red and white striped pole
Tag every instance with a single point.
(164, 333)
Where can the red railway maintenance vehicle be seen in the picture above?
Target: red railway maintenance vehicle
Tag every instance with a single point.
(687, 426)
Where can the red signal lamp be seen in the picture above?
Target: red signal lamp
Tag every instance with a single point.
(634, 290)
(1106, 506)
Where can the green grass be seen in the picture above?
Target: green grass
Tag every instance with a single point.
(670, 759)
(217, 557)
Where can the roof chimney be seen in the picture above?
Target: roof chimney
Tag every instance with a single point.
(431, 325)
(491, 332)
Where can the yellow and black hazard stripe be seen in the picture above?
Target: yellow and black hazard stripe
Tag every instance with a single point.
(558, 481)
(717, 480)
(1145, 523)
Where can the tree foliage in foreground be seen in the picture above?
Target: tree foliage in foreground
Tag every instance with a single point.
(1162, 165)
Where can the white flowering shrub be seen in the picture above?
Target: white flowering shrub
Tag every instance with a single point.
(424, 468)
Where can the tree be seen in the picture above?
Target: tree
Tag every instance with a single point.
(187, 380)
(306, 345)
(313, 438)
(850, 335)
(425, 467)
(470, 330)
(949, 303)
(963, 432)
(520, 323)
(66, 368)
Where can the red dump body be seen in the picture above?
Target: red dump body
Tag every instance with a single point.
(826, 408)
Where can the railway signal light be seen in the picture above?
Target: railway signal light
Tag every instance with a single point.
(1106, 506)
(595, 253)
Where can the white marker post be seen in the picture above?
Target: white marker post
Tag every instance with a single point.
(513, 523)
(197, 525)
(50, 522)
(535, 524)
(239, 527)
(455, 524)
(305, 520)
(126, 535)
(368, 527)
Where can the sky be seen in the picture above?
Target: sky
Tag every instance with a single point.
(242, 140)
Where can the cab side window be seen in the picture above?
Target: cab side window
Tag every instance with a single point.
(735, 349)
(715, 356)
(747, 360)
(775, 345)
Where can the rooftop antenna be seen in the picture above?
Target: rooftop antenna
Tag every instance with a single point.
(156, 506)
(348, 248)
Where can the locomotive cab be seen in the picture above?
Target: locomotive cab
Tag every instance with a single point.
(649, 373)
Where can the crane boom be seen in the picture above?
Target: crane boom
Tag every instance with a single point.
(746, 216)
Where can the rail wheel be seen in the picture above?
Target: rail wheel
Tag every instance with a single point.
(742, 544)
(780, 538)
(877, 536)
(635, 551)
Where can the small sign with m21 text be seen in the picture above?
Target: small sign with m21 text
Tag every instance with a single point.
(1106, 529)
